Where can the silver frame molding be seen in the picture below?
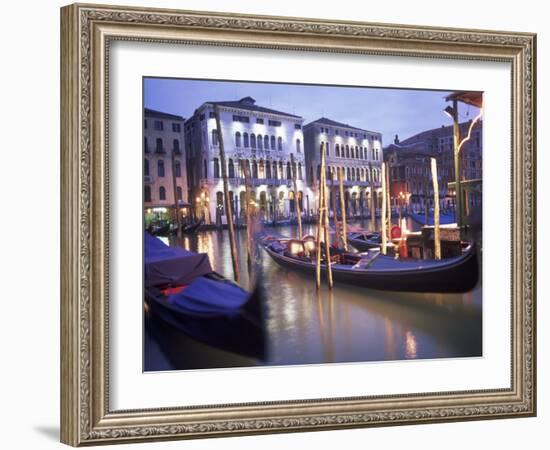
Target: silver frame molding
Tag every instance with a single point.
(86, 32)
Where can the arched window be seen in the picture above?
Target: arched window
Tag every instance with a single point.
(275, 171)
(238, 139)
(272, 142)
(281, 169)
(254, 169)
(146, 193)
(279, 143)
(260, 141)
(328, 148)
(162, 193)
(298, 145)
(176, 146)
(160, 168)
(337, 150)
(299, 170)
(179, 192)
(245, 140)
(266, 142)
(177, 169)
(372, 152)
(145, 145)
(288, 172)
(347, 151)
(356, 152)
(377, 155)
(361, 153)
(216, 168)
(268, 170)
(146, 167)
(215, 138)
(159, 148)
(348, 173)
(231, 169)
(253, 141)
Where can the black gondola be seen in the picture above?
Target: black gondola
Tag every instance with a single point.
(364, 241)
(182, 289)
(376, 271)
(190, 228)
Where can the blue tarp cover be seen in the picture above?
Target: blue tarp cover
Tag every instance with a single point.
(164, 265)
(206, 295)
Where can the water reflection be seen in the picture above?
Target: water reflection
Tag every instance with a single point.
(349, 323)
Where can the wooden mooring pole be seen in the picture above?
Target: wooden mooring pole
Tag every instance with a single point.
(437, 239)
(343, 209)
(296, 199)
(228, 206)
(383, 214)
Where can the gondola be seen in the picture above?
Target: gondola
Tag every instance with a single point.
(444, 219)
(364, 241)
(377, 271)
(160, 230)
(190, 228)
(182, 289)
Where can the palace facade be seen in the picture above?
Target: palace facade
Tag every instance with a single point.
(357, 152)
(260, 138)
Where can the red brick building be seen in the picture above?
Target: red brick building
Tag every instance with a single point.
(409, 165)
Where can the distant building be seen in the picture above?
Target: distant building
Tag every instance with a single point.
(358, 152)
(262, 138)
(410, 173)
(163, 157)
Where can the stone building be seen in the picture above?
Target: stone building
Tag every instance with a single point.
(163, 160)
(410, 174)
(356, 151)
(260, 137)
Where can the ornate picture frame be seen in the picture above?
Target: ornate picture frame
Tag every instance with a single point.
(87, 32)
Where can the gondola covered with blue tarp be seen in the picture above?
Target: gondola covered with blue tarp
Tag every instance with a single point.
(182, 289)
(168, 266)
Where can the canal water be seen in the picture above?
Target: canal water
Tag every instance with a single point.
(306, 326)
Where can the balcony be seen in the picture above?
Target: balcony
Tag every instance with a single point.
(253, 181)
(160, 151)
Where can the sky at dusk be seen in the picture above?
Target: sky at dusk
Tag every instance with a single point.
(390, 111)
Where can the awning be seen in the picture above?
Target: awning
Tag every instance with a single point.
(469, 97)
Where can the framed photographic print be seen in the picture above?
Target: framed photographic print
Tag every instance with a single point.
(281, 224)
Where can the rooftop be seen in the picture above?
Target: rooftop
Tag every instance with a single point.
(249, 104)
(162, 115)
(334, 123)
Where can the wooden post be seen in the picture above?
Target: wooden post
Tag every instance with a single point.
(437, 240)
(296, 200)
(372, 203)
(325, 216)
(343, 209)
(383, 214)
(456, 146)
(176, 202)
(228, 206)
(388, 193)
(247, 198)
(318, 236)
(335, 212)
